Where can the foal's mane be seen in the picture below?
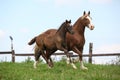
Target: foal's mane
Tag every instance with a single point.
(63, 24)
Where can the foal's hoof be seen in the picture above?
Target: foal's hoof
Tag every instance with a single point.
(73, 65)
(84, 68)
(67, 62)
(49, 67)
(34, 66)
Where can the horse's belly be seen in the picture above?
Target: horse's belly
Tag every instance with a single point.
(75, 41)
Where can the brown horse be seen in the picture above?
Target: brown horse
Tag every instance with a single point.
(51, 43)
(76, 41)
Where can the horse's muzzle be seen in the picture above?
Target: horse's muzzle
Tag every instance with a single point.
(91, 27)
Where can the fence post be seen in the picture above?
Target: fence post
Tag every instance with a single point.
(13, 52)
(13, 56)
(90, 52)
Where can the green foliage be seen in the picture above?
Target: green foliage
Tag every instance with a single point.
(28, 60)
(116, 61)
(63, 59)
(60, 71)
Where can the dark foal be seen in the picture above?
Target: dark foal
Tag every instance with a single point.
(51, 43)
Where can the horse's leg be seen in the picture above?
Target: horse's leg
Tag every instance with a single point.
(75, 49)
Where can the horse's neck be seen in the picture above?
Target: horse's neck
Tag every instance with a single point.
(79, 28)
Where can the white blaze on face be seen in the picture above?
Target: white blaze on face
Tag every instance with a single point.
(91, 26)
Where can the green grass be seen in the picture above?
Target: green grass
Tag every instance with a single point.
(60, 71)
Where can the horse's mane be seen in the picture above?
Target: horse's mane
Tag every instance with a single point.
(77, 21)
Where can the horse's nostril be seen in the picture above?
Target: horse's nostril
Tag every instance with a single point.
(93, 27)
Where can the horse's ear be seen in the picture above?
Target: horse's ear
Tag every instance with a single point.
(84, 13)
(89, 13)
(66, 21)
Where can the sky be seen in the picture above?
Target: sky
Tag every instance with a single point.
(24, 19)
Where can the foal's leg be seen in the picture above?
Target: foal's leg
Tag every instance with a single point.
(64, 48)
(37, 55)
(45, 57)
(69, 58)
(48, 54)
(70, 61)
(80, 58)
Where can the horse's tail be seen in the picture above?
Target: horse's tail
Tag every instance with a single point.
(32, 41)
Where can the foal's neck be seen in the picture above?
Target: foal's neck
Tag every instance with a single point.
(62, 33)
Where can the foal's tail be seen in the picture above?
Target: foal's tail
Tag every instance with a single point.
(32, 41)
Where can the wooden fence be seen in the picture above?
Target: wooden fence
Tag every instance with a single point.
(90, 55)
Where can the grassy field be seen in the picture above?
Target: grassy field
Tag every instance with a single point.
(60, 71)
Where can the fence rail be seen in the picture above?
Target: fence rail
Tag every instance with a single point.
(31, 54)
(5, 52)
(101, 54)
(90, 55)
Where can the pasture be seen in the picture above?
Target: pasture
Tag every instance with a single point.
(60, 71)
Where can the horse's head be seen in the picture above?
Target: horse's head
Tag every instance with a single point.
(87, 20)
(68, 27)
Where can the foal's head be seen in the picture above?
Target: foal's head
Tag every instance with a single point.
(68, 26)
(87, 20)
